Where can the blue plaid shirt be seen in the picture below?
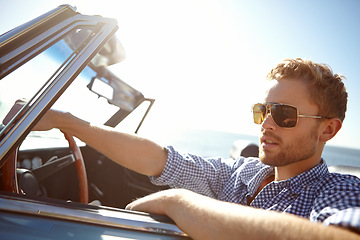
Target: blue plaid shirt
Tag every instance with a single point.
(320, 196)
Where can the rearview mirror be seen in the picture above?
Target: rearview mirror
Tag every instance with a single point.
(116, 91)
(101, 88)
(112, 52)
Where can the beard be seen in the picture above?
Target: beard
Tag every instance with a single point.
(297, 150)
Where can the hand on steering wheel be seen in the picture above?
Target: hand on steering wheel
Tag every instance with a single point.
(9, 175)
(9, 171)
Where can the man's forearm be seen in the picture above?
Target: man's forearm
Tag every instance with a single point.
(205, 218)
(133, 152)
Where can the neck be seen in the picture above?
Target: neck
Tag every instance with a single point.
(294, 169)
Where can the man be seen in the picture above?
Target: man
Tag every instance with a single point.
(302, 110)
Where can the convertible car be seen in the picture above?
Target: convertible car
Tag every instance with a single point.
(52, 186)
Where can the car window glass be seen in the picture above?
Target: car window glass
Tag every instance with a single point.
(28, 79)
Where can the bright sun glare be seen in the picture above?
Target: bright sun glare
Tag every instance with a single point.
(204, 60)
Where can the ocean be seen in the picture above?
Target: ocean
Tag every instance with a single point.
(218, 144)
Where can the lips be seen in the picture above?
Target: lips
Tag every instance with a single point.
(269, 141)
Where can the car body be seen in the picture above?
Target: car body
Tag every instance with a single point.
(60, 60)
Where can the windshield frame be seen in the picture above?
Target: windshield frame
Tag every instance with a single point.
(21, 124)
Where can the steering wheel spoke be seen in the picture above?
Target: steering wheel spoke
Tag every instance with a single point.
(53, 166)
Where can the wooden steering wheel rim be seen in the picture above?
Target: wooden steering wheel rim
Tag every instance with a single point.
(80, 169)
(10, 183)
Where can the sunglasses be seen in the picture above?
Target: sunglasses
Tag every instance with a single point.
(284, 115)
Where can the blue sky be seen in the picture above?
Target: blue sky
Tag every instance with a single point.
(205, 60)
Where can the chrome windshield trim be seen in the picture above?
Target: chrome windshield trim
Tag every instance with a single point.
(104, 216)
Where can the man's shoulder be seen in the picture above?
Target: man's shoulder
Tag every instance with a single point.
(340, 178)
(337, 182)
(337, 196)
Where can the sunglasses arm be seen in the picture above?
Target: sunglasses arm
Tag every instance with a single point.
(307, 116)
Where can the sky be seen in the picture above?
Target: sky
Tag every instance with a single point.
(205, 61)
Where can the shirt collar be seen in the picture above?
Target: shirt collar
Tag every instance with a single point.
(297, 184)
(302, 181)
(254, 182)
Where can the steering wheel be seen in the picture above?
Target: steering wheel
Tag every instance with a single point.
(9, 171)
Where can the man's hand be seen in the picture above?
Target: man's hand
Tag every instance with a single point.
(156, 203)
(47, 122)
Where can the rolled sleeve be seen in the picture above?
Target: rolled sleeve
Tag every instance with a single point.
(348, 218)
(205, 176)
(169, 174)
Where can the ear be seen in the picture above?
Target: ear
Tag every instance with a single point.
(330, 127)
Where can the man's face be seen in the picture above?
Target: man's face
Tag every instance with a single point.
(283, 146)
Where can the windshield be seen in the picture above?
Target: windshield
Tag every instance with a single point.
(36, 75)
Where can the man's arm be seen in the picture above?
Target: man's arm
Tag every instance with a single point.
(205, 218)
(130, 151)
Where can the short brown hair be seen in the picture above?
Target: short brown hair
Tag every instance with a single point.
(326, 89)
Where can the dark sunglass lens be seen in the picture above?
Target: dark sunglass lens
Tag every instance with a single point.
(259, 112)
(284, 115)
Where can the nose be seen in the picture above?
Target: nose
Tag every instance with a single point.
(268, 122)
